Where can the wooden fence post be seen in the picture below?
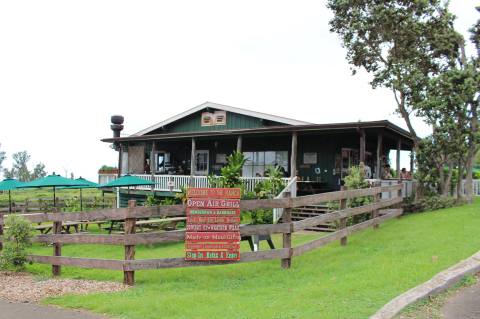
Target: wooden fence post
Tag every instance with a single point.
(129, 276)
(343, 221)
(399, 194)
(57, 247)
(1, 230)
(287, 237)
(375, 213)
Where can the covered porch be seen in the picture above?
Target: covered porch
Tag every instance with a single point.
(317, 156)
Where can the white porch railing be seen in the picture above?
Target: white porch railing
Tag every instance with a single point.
(290, 187)
(407, 191)
(174, 183)
(475, 187)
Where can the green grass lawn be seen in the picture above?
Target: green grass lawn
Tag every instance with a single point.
(331, 282)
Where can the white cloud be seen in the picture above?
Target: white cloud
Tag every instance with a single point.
(66, 66)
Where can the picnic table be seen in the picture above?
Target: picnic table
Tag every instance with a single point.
(67, 226)
(168, 223)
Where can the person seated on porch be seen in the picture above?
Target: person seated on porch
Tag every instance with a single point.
(367, 171)
(405, 174)
(386, 174)
(146, 166)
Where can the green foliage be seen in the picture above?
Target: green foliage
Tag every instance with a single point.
(229, 174)
(2, 157)
(72, 204)
(182, 195)
(261, 216)
(107, 167)
(272, 186)
(412, 48)
(17, 239)
(430, 203)
(151, 201)
(356, 180)
(20, 169)
(331, 282)
(154, 201)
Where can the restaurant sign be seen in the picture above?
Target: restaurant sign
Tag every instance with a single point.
(213, 224)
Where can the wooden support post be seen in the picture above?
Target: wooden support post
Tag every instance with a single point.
(2, 220)
(120, 156)
(362, 145)
(412, 161)
(379, 155)
(192, 162)
(375, 213)
(239, 143)
(343, 221)
(129, 276)
(57, 247)
(287, 237)
(293, 158)
(152, 164)
(399, 148)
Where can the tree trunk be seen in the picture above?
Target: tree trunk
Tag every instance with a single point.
(469, 177)
(459, 181)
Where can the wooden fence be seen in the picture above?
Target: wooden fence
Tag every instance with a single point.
(129, 239)
(44, 204)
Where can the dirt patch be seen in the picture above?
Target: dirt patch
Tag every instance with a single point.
(23, 287)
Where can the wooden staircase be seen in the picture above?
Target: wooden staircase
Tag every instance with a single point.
(301, 213)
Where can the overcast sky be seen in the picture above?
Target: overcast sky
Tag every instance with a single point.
(66, 66)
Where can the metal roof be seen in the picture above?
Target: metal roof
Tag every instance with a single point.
(222, 107)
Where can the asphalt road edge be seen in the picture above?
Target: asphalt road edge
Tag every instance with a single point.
(440, 282)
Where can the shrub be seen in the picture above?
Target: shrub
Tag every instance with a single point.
(17, 239)
(430, 203)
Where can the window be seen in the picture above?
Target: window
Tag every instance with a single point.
(258, 162)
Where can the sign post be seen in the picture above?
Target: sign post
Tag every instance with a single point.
(213, 224)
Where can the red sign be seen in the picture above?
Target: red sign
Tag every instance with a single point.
(213, 203)
(234, 193)
(213, 227)
(225, 237)
(212, 255)
(213, 220)
(213, 224)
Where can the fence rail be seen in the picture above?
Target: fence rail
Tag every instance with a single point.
(130, 239)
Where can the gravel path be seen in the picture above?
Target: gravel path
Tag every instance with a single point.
(463, 305)
(30, 311)
(20, 293)
(23, 287)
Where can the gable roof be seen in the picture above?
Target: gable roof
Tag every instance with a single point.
(222, 107)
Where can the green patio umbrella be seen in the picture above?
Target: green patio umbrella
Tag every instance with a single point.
(127, 181)
(53, 181)
(85, 184)
(9, 184)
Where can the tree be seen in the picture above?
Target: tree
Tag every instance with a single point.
(20, 169)
(400, 42)
(2, 157)
(20, 161)
(39, 171)
(412, 48)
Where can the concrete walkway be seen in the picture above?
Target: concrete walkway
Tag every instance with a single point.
(31, 311)
(463, 305)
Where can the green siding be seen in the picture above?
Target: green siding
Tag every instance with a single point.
(192, 123)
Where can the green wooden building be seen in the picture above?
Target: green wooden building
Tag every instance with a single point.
(186, 148)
